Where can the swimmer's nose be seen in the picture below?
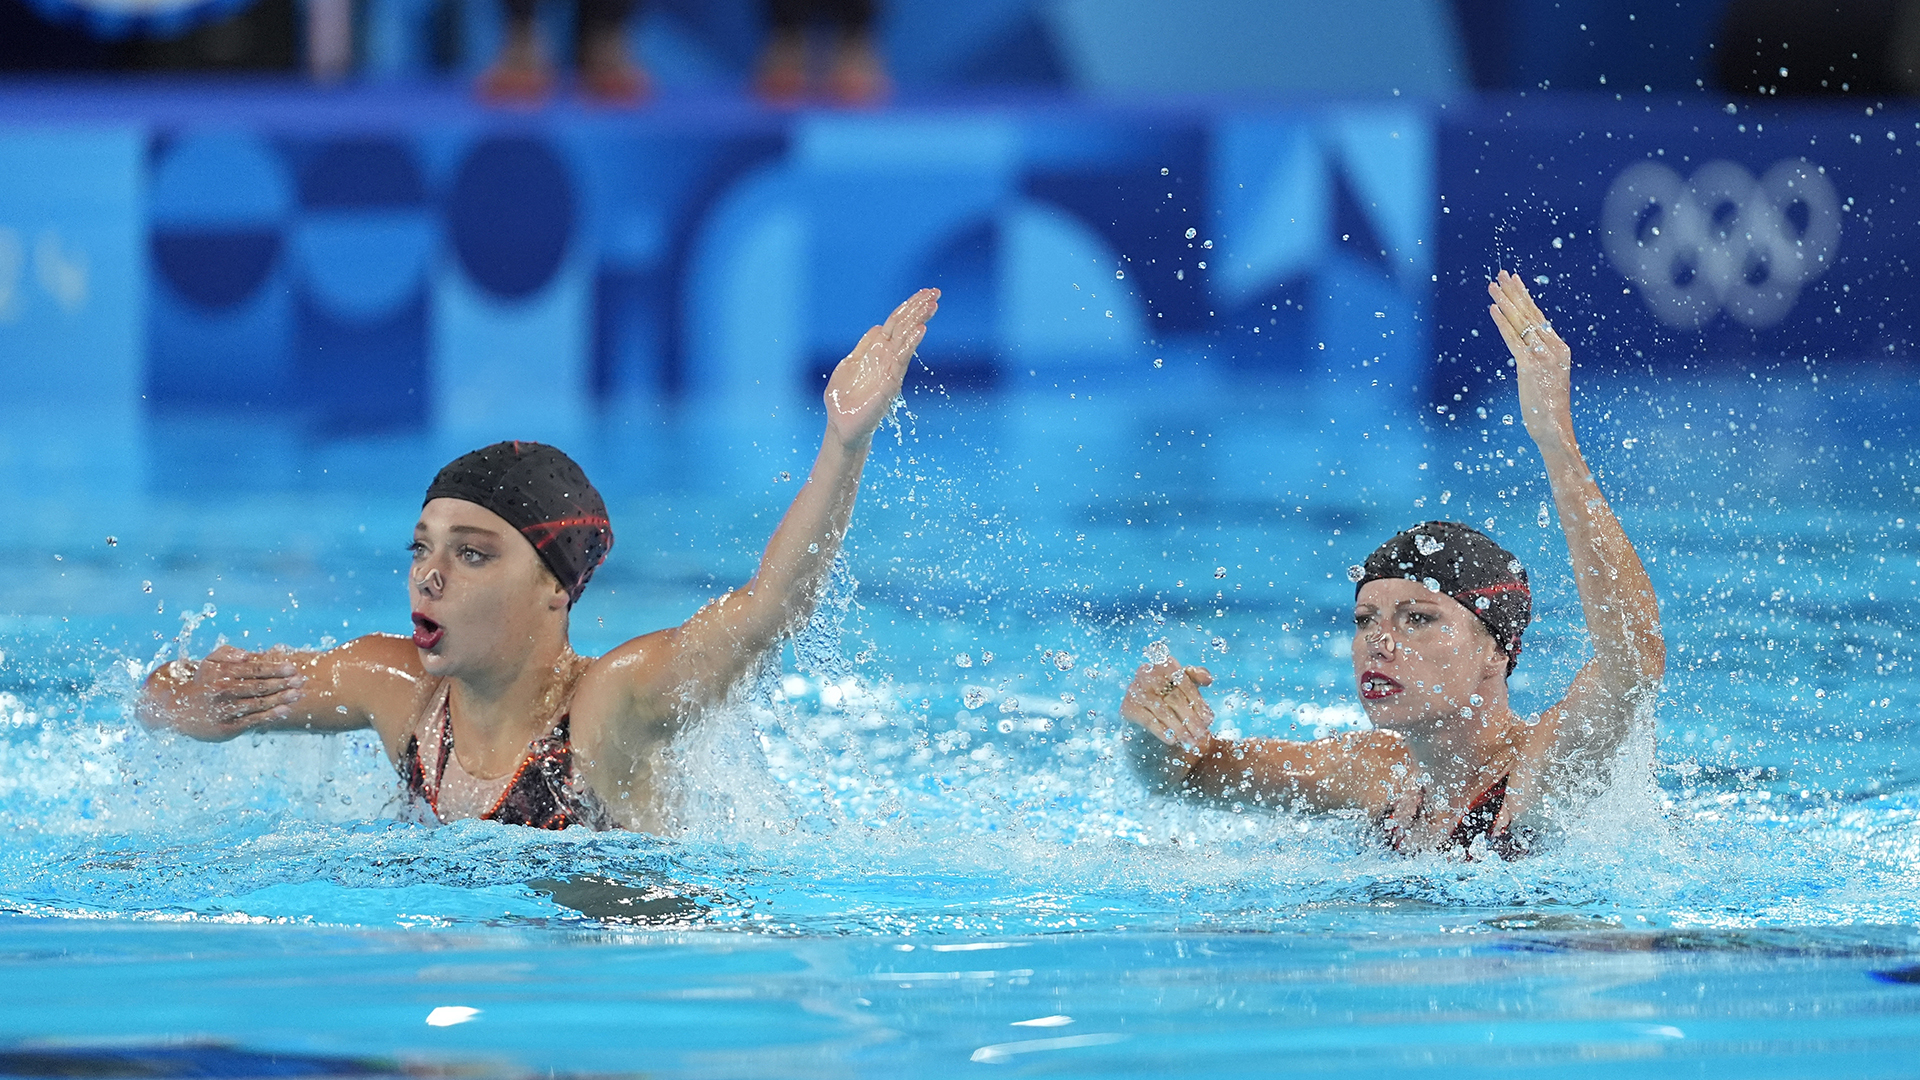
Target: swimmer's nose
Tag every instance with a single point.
(429, 582)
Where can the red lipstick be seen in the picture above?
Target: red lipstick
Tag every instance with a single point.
(1375, 686)
(426, 632)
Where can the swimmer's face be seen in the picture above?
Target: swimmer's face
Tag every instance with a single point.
(480, 596)
(1418, 656)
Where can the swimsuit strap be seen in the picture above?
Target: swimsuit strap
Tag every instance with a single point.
(1477, 824)
(446, 747)
(1478, 821)
(414, 771)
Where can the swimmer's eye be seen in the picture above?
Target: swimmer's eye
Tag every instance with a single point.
(417, 549)
(1362, 618)
(473, 556)
(1420, 618)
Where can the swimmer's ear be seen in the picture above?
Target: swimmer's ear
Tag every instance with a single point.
(557, 599)
(1496, 667)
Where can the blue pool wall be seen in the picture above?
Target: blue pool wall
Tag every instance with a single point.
(385, 259)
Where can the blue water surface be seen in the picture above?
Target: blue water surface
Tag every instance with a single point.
(910, 831)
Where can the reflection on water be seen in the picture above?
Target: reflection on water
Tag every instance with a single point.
(869, 781)
(625, 1001)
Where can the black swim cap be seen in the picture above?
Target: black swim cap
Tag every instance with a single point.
(1465, 564)
(540, 491)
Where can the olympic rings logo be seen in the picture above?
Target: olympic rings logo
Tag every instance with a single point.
(1720, 240)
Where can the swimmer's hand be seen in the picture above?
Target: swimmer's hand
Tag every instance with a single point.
(865, 384)
(1164, 698)
(229, 692)
(1544, 362)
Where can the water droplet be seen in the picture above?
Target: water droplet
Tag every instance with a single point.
(1475, 699)
(1480, 603)
(1163, 171)
(113, 541)
(1427, 545)
(1542, 279)
(1157, 361)
(1206, 244)
(813, 549)
(1356, 573)
(1219, 644)
(1432, 584)
(785, 476)
(1219, 571)
(963, 660)
(146, 586)
(1011, 704)
(1191, 233)
(1541, 518)
(1513, 565)
(1558, 243)
(986, 657)
(1063, 661)
(1119, 275)
(1158, 653)
(1005, 725)
(1179, 275)
(209, 610)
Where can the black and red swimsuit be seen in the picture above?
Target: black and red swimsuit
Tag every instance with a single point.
(544, 792)
(1476, 827)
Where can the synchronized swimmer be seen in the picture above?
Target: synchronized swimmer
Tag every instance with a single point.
(487, 712)
(1438, 615)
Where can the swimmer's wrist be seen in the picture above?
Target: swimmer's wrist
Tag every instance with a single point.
(1556, 439)
(851, 442)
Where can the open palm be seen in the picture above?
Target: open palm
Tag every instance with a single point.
(864, 384)
(1543, 361)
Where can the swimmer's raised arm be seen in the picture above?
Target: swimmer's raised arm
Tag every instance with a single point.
(655, 682)
(1186, 757)
(368, 682)
(1622, 614)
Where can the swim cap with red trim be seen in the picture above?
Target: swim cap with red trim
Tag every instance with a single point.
(546, 496)
(1465, 564)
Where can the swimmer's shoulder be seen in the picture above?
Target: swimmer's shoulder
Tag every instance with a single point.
(618, 683)
(379, 677)
(1535, 779)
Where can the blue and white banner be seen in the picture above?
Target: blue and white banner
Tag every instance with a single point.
(1676, 235)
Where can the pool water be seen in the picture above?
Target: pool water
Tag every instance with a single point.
(907, 846)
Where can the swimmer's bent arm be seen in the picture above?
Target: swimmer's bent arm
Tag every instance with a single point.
(1342, 772)
(1184, 756)
(1616, 596)
(651, 684)
(373, 681)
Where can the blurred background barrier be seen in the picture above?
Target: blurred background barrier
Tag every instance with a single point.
(1102, 189)
(1186, 46)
